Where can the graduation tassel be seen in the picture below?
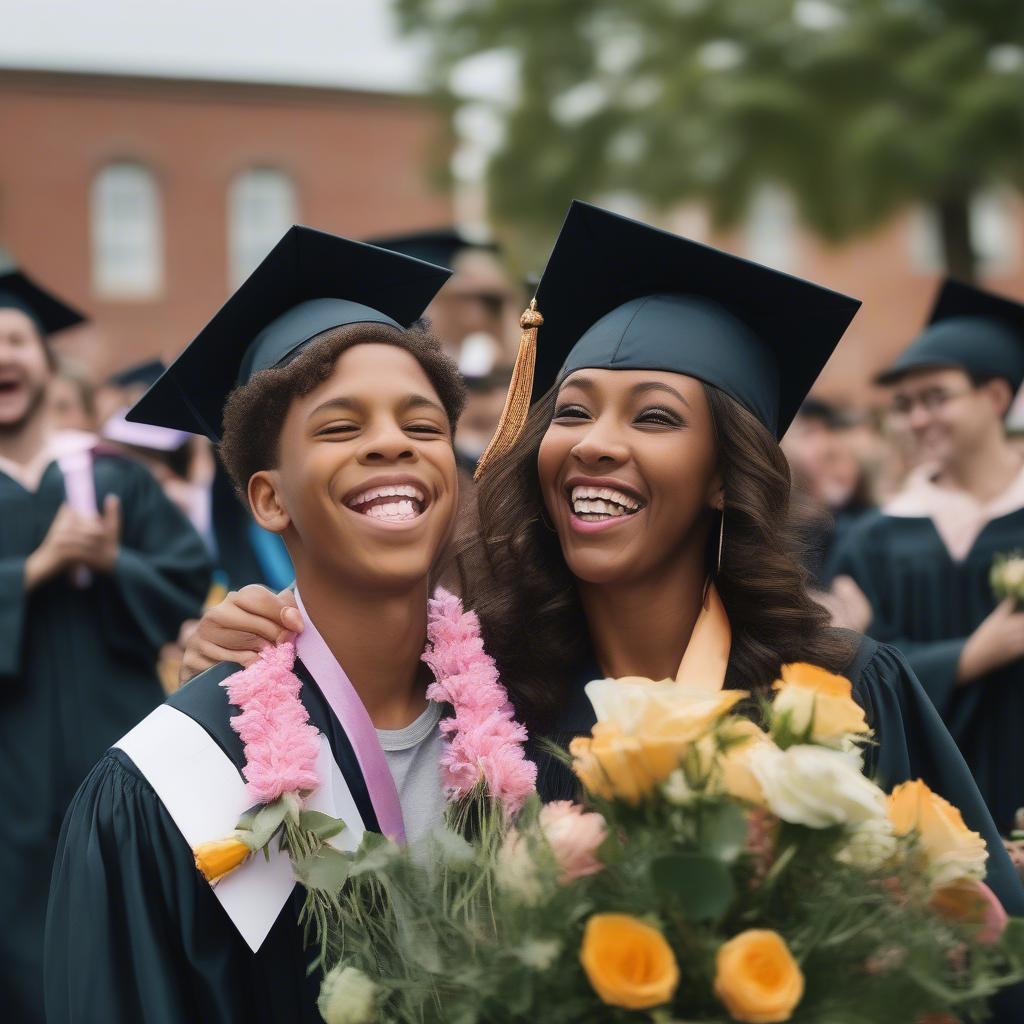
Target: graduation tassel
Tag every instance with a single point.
(520, 390)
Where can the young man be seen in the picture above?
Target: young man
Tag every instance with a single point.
(97, 571)
(339, 435)
(923, 561)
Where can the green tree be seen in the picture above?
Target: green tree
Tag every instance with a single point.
(858, 107)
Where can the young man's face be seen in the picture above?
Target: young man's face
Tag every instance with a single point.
(24, 369)
(945, 414)
(366, 472)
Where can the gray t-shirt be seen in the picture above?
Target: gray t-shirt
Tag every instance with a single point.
(414, 757)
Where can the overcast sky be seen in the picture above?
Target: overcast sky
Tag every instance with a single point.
(336, 42)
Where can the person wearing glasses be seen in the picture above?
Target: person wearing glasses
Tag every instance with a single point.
(923, 561)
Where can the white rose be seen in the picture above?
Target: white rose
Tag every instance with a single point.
(347, 996)
(641, 707)
(677, 790)
(870, 845)
(516, 870)
(539, 954)
(815, 786)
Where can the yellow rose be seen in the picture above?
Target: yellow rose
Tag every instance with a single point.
(642, 707)
(642, 733)
(809, 693)
(628, 963)
(757, 978)
(734, 775)
(220, 857)
(952, 850)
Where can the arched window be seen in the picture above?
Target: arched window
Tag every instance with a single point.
(127, 233)
(262, 206)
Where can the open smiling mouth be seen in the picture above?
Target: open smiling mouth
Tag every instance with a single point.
(600, 504)
(396, 503)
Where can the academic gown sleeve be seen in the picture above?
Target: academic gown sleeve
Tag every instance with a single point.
(162, 572)
(13, 601)
(863, 557)
(134, 936)
(912, 742)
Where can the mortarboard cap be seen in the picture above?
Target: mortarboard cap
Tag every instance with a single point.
(47, 312)
(620, 294)
(969, 329)
(147, 373)
(439, 246)
(310, 282)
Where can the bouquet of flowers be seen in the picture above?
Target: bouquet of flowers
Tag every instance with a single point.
(717, 871)
(1006, 577)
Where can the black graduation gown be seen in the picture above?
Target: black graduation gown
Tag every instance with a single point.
(911, 743)
(77, 669)
(927, 605)
(135, 935)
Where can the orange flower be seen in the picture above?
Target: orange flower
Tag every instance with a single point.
(757, 978)
(812, 695)
(628, 963)
(643, 731)
(952, 850)
(220, 857)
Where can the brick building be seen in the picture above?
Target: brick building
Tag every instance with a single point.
(146, 200)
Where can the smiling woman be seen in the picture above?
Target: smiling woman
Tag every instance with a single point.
(639, 525)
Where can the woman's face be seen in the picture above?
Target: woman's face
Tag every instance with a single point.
(628, 472)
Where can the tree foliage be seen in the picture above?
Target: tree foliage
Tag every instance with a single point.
(859, 107)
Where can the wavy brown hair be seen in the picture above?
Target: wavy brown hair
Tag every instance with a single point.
(518, 583)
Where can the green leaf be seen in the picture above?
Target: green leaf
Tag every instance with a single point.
(375, 853)
(701, 887)
(323, 826)
(451, 848)
(1013, 938)
(326, 870)
(248, 818)
(257, 829)
(723, 831)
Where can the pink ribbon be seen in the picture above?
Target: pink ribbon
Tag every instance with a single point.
(80, 490)
(339, 692)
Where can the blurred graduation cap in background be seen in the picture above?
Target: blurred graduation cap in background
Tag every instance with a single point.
(19, 291)
(968, 329)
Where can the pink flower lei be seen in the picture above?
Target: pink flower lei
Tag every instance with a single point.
(484, 742)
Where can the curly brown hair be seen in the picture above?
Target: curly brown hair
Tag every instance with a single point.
(525, 595)
(255, 411)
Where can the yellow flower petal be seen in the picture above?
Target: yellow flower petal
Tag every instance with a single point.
(757, 978)
(628, 963)
(220, 857)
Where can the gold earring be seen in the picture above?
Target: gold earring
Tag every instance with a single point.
(721, 541)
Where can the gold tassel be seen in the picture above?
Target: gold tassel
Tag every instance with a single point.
(520, 390)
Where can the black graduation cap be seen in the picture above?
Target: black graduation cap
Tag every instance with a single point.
(620, 294)
(147, 373)
(969, 329)
(439, 246)
(310, 282)
(48, 313)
